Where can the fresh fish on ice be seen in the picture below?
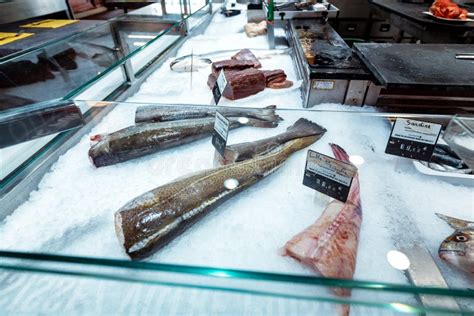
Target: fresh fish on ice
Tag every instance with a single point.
(152, 220)
(329, 246)
(458, 248)
(190, 63)
(261, 53)
(157, 113)
(244, 151)
(148, 138)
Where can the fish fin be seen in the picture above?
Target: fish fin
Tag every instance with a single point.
(267, 113)
(339, 153)
(455, 223)
(306, 127)
(269, 122)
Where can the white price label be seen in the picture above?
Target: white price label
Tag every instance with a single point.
(221, 81)
(331, 168)
(423, 132)
(221, 125)
(323, 85)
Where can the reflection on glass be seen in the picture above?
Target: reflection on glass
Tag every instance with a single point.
(231, 184)
(356, 160)
(398, 260)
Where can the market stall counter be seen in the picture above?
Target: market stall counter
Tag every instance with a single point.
(303, 209)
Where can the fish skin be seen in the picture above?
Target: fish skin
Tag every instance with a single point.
(329, 246)
(183, 64)
(243, 151)
(458, 248)
(148, 138)
(152, 220)
(159, 113)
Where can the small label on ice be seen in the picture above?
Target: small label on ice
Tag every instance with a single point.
(328, 175)
(323, 85)
(219, 87)
(413, 139)
(220, 133)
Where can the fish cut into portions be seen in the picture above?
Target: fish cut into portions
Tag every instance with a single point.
(246, 54)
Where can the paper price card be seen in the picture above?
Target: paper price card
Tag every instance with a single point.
(220, 133)
(328, 175)
(413, 139)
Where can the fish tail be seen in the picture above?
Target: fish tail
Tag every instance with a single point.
(339, 153)
(304, 127)
(266, 115)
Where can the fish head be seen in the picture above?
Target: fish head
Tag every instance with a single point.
(458, 249)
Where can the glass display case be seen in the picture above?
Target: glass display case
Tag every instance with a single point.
(109, 61)
(119, 49)
(68, 245)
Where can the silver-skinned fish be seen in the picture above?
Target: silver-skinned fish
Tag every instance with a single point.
(458, 248)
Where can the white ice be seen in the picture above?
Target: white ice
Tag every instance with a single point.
(72, 210)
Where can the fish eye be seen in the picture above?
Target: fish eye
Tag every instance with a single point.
(461, 238)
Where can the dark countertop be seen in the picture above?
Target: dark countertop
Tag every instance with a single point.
(422, 66)
(334, 58)
(413, 12)
(42, 36)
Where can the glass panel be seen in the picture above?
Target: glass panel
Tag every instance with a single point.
(72, 212)
(54, 70)
(67, 67)
(118, 288)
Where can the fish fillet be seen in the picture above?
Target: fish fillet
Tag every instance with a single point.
(329, 246)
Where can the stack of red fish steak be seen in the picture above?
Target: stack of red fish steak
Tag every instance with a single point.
(244, 78)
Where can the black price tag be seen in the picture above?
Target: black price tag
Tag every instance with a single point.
(219, 135)
(328, 175)
(413, 139)
(219, 87)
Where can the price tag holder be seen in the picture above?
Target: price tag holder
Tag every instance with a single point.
(328, 175)
(220, 133)
(413, 139)
(219, 87)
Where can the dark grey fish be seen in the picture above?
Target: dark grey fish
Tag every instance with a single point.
(447, 160)
(152, 220)
(148, 138)
(157, 113)
(244, 151)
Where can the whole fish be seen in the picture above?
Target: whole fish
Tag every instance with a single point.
(152, 220)
(329, 246)
(190, 63)
(261, 53)
(244, 151)
(148, 138)
(159, 113)
(458, 248)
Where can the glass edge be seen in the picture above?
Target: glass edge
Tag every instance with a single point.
(237, 274)
(284, 109)
(395, 306)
